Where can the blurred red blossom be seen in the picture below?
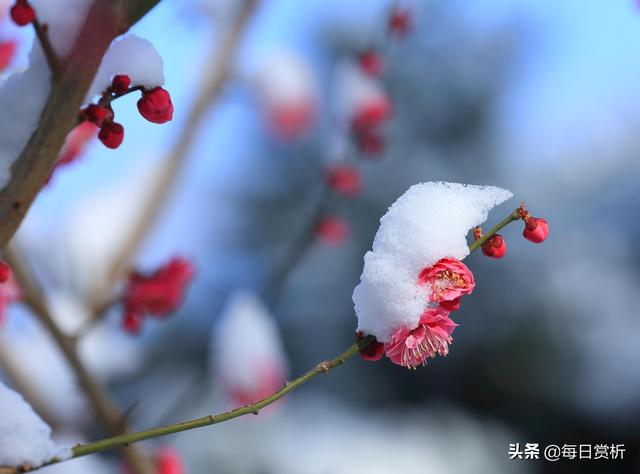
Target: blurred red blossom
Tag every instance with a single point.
(332, 230)
(157, 294)
(345, 180)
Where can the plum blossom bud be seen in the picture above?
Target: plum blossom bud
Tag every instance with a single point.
(22, 13)
(247, 354)
(155, 105)
(361, 103)
(371, 142)
(494, 246)
(97, 114)
(345, 180)
(373, 351)
(287, 91)
(120, 83)
(332, 230)
(371, 113)
(7, 52)
(371, 63)
(400, 21)
(536, 229)
(132, 322)
(111, 134)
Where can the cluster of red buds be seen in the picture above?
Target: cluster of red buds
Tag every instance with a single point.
(22, 13)
(366, 130)
(157, 294)
(536, 230)
(155, 105)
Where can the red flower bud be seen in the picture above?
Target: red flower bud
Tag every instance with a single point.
(373, 351)
(332, 230)
(345, 180)
(370, 142)
(371, 114)
(371, 63)
(96, 114)
(536, 230)
(22, 13)
(399, 22)
(5, 272)
(155, 105)
(494, 246)
(120, 83)
(111, 134)
(132, 322)
(451, 305)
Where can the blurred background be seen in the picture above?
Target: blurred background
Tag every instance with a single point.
(536, 96)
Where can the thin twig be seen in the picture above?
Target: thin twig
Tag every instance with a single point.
(52, 57)
(298, 248)
(105, 409)
(125, 440)
(210, 90)
(514, 216)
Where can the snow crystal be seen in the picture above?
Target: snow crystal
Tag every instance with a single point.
(133, 56)
(22, 98)
(64, 20)
(427, 223)
(245, 342)
(24, 437)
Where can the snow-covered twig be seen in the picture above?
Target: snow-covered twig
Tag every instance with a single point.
(214, 79)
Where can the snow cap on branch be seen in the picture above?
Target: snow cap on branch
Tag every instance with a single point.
(287, 90)
(64, 20)
(24, 437)
(247, 355)
(131, 55)
(427, 223)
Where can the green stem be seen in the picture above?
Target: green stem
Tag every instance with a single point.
(123, 440)
(514, 216)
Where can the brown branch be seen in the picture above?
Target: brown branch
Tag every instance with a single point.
(106, 20)
(211, 88)
(104, 408)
